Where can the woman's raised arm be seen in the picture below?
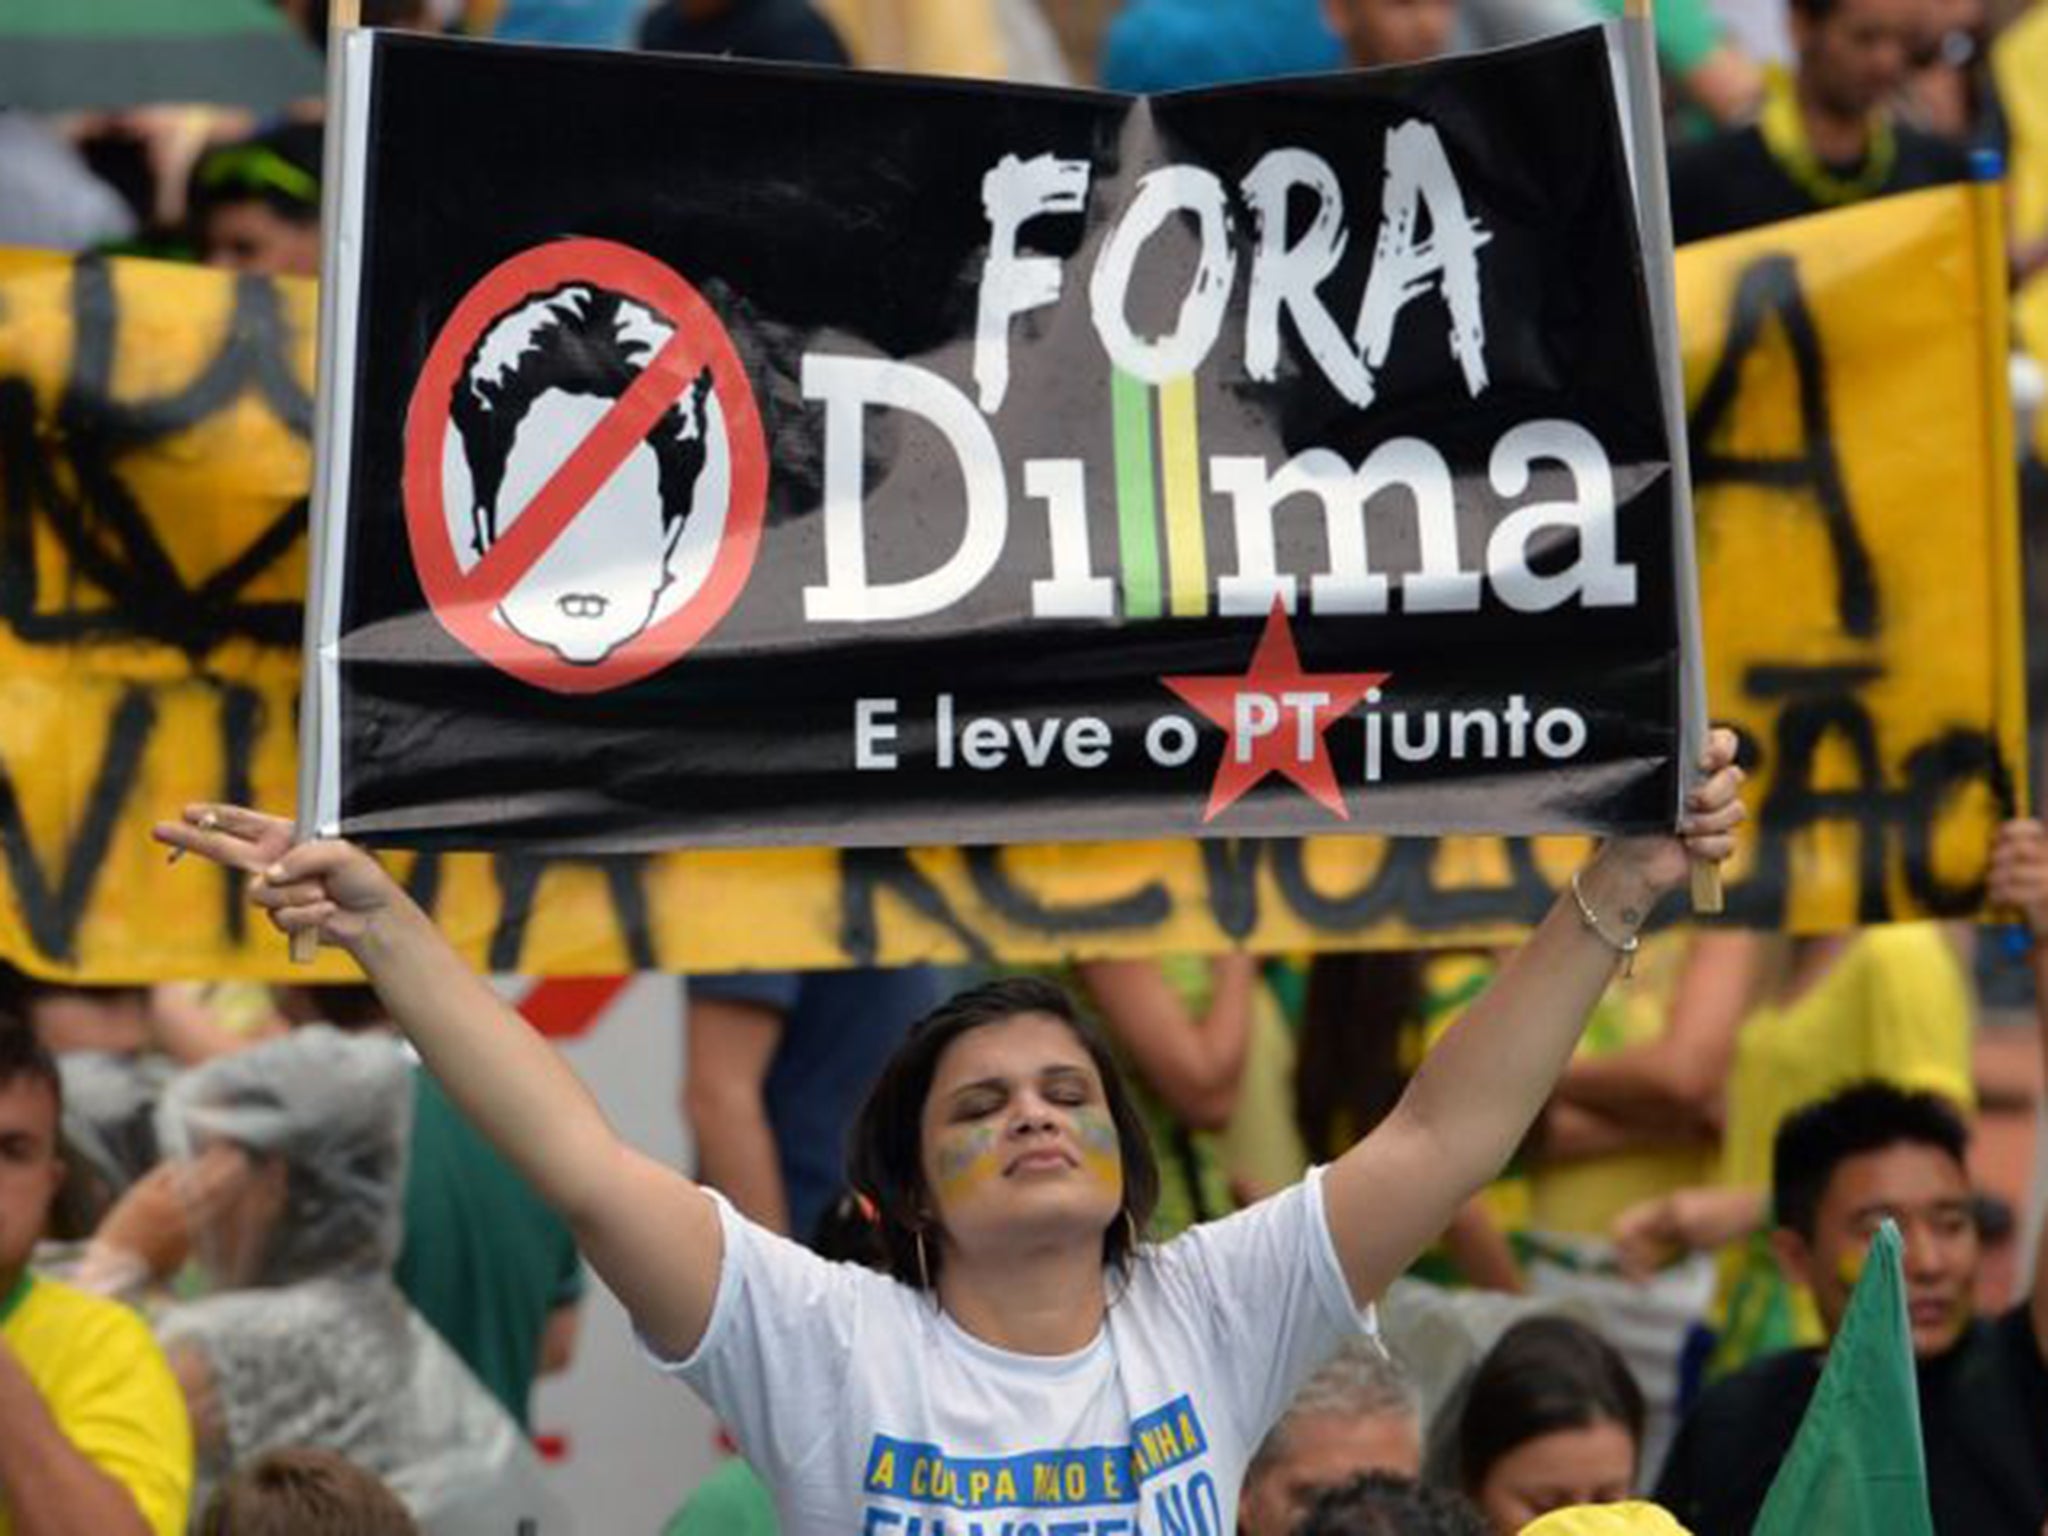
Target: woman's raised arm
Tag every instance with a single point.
(650, 1232)
(1479, 1090)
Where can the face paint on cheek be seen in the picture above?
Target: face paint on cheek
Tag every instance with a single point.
(1102, 1156)
(965, 1160)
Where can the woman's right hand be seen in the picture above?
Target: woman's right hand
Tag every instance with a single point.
(332, 889)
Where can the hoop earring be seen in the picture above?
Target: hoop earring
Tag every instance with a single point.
(924, 1272)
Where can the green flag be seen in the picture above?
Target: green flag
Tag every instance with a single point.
(1856, 1467)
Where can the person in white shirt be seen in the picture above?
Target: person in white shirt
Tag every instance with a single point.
(1025, 1365)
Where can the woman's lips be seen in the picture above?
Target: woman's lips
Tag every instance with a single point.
(1039, 1159)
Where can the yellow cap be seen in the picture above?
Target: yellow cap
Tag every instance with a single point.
(1637, 1517)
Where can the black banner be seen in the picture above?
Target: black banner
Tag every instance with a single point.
(746, 455)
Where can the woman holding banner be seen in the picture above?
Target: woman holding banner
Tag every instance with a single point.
(1025, 1359)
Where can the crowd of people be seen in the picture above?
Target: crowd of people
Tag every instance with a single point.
(1387, 1242)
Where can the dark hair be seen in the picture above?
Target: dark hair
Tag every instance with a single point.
(1382, 1504)
(302, 1491)
(83, 1198)
(1865, 1117)
(579, 345)
(1348, 1069)
(846, 1232)
(413, 14)
(1544, 1375)
(22, 1055)
(885, 1159)
(20, 992)
(350, 1006)
(279, 169)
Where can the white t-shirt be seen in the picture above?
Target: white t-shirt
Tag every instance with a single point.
(869, 1412)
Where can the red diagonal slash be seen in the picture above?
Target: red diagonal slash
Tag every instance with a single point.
(580, 476)
(466, 602)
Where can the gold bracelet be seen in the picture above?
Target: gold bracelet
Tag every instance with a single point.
(1624, 947)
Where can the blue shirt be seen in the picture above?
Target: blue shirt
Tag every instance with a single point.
(583, 23)
(1178, 45)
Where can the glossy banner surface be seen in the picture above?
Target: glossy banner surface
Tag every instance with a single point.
(798, 457)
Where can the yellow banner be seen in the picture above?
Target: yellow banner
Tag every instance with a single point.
(1858, 551)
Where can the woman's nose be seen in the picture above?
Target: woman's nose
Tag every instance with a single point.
(1032, 1113)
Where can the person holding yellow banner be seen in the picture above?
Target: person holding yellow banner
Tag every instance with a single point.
(1021, 1321)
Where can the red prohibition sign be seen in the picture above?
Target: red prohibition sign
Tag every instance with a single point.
(466, 601)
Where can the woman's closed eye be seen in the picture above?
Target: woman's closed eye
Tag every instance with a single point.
(976, 1106)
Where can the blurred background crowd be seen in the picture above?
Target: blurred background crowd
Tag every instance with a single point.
(262, 1277)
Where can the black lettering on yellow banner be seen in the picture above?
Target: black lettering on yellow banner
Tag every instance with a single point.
(1858, 583)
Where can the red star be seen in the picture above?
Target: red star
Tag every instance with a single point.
(1275, 716)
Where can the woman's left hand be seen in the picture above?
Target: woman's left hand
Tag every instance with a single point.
(1707, 833)
(2018, 877)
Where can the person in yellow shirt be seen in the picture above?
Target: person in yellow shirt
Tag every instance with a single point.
(93, 1435)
